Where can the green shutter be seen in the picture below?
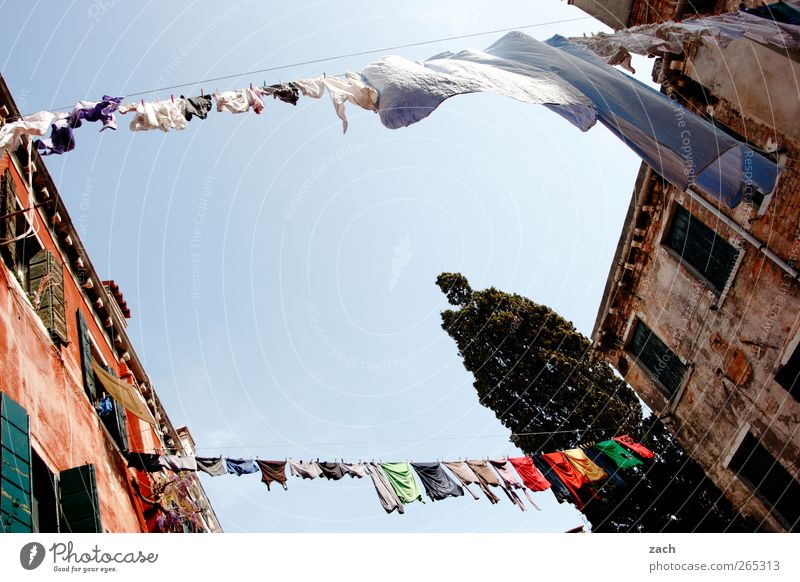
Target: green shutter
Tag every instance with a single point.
(46, 285)
(15, 468)
(8, 226)
(86, 357)
(658, 359)
(80, 507)
(122, 425)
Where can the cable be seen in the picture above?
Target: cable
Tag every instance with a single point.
(344, 56)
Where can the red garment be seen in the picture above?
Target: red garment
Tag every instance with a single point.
(531, 476)
(637, 448)
(568, 474)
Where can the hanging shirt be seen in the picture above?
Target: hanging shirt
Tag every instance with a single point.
(570, 476)
(438, 485)
(286, 92)
(313, 88)
(488, 478)
(468, 477)
(213, 466)
(584, 465)
(241, 466)
(331, 470)
(557, 486)
(195, 106)
(61, 140)
(163, 115)
(637, 448)
(510, 478)
(102, 111)
(355, 470)
(386, 493)
(36, 124)
(305, 469)
(143, 461)
(351, 89)
(617, 453)
(531, 476)
(240, 101)
(606, 465)
(178, 463)
(272, 471)
(402, 480)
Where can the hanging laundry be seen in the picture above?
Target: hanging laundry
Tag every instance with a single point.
(305, 469)
(584, 465)
(313, 88)
(531, 476)
(438, 484)
(104, 406)
(195, 106)
(241, 466)
(351, 89)
(571, 477)
(61, 140)
(355, 470)
(617, 453)
(557, 486)
(36, 124)
(286, 92)
(92, 111)
(510, 478)
(143, 461)
(213, 466)
(331, 470)
(178, 463)
(637, 448)
(606, 465)
(488, 478)
(402, 480)
(468, 477)
(386, 493)
(163, 115)
(240, 101)
(578, 85)
(272, 471)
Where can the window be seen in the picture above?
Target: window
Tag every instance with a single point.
(80, 506)
(46, 289)
(789, 375)
(15, 468)
(769, 480)
(701, 248)
(44, 496)
(658, 359)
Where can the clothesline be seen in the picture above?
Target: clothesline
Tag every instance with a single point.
(568, 473)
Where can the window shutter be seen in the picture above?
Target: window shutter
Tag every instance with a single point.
(15, 468)
(46, 281)
(80, 507)
(122, 424)
(658, 358)
(8, 226)
(86, 357)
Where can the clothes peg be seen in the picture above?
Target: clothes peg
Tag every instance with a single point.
(201, 92)
(142, 101)
(172, 97)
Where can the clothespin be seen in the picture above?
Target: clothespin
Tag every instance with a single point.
(142, 101)
(201, 92)
(172, 97)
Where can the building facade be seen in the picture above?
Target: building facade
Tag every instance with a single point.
(67, 368)
(701, 310)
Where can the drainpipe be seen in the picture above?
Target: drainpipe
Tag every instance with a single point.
(744, 234)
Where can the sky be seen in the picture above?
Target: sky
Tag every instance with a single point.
(281, 275)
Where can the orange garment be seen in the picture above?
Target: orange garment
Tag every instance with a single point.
(585, 465)
(637, 448)
(568, 474)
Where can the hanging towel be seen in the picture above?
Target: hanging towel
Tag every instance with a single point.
(386, 493)
(438, 484)
(468, 477)
(584, 465)
(330, 470)
(213, 466)
(531, 476)
(606, 465)
(571, 477)
(36, 124)
(637, 448)
(178, 463)
(557, 486)
(143, 461)
(488, 478)
(272, 471)
(617, 453)
(510, 478)
(241, 466)
(355, 470)
(195, 106)
(578, 85)
(402, 480)
(305, 469)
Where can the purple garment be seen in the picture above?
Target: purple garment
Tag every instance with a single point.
(62, 139)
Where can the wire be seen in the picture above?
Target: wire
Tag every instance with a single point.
(344, 56)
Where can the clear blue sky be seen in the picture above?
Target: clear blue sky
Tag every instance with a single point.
(281, 275)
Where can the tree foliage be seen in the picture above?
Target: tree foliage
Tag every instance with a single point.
(538, 374)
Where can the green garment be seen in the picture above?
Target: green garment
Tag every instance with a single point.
(617, 453)
(403, 481)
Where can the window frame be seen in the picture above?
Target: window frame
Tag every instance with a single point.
(671, 397)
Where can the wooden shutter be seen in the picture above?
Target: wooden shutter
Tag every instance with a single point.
(122, 425)
(15, 468)
(80, 506)
(86, 357)
(657, 358)
(8, 226)
(46, 280)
